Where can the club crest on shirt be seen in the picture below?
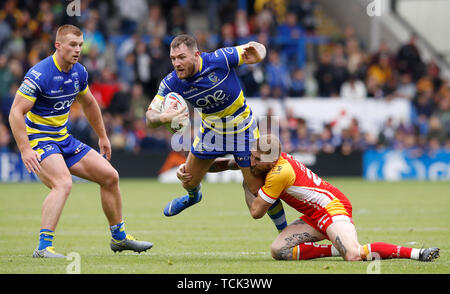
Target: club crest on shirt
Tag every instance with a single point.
(213, 77)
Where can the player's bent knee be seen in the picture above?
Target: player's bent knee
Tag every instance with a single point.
(64, 186)
(111, 178)
(275, 251)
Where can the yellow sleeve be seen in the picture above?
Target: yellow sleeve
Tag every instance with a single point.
(156, 103)
(277, 180)
(240, 50)
(84, 91)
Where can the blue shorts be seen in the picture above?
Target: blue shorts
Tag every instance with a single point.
(70, 148)
(210, 144)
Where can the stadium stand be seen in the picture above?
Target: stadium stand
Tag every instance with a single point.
(309, 56)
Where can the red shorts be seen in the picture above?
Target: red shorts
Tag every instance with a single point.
(321, 219)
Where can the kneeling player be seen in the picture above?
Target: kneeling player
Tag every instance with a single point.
(327, 213)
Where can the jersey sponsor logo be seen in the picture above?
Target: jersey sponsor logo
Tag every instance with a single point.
(68, 81)
(190, 91)
(36, 74)
(27, 88)
(60, 105)
(56, 91)
(58, 78)
(217, 96)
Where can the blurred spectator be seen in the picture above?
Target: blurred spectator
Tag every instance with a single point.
(143, 65)
(131, 13)
(305, 11)
(443, 113)
(291, 32)
(424, 103)
(227, 36)
(6, 77)
(92, 38)
(276, 7)
(120, 102)
(127, 73)
(252, 76)
(326, 141)
(298, 87)
(265, 22)
(242, 25)
(105, 87)
(409, 59)
(5, 138)
(94, 63)
(381, 70)
(353, 89)
(177, 21)
(160, 65)
(374, 89)
(324, 76)
(406, 88)
(155, 25)
(277, 74)
(139, 102)
(301, 139)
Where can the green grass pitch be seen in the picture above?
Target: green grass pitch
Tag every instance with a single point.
(218, 235)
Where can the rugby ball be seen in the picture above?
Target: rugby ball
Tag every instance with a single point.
(176, 126)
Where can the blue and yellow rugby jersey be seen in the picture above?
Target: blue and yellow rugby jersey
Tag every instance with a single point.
(215, 89)
(53, 91)
(228, 125)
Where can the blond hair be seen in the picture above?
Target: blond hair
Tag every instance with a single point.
(67, 29)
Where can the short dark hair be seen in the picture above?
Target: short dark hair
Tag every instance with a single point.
(185, 39)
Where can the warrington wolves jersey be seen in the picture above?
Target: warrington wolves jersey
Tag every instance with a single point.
(215, 90)
(53, 91)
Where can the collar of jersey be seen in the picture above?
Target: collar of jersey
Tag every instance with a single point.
(56, 62)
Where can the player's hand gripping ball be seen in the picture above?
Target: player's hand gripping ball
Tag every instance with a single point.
(174, 102)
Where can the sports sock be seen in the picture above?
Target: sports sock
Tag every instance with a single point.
(45, 238)
(277, 215)
(118, 231)
(193, 193)
(311, 250)
(386, 251)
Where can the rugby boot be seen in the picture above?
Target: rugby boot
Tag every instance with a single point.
(130, 243)
(48, 252)
(428, 254)
(179, 204)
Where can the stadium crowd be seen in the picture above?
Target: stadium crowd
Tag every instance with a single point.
(126, 54)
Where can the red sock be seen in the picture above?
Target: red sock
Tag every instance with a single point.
(386, 251)
(311, 250)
